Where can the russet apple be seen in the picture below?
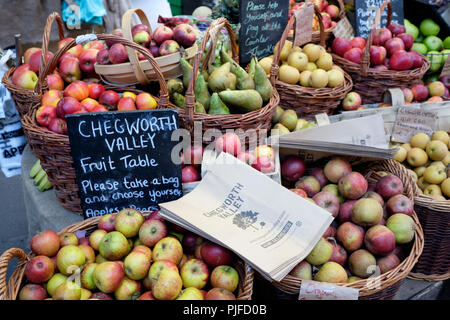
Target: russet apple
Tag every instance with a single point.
(39, 269)
(45, 243)
(108, 276)
(69, 259)
(362, 263)
(350, 235)
(194, 273)
(113, 246)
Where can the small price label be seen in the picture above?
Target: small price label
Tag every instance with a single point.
(303, 24)
(322, 119)
(344, 29)
(410, 121)
(313, 290)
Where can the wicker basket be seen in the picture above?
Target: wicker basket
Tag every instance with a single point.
(10, 290)
(371, 84)
(389, 282)
(307, 102)
(25, 98)
(327, 32)
(53, 149)
(256, 120)
(135, 71)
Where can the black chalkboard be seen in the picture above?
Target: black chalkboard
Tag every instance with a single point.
(366, 10)
(262, 23)
(123, 160)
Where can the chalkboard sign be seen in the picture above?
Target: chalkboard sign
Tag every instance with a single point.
(123, 160)
(262, 23)
(367, 9)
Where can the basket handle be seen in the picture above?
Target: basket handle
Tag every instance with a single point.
(126, 29)
(54, 16)
(163, 93)
(7, 293)
(284, 36)
(211, 33)
(365, 60)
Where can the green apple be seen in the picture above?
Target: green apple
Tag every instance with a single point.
(445, 53)
(420, 48)
(433, 43)
(447, 43)
(411, 29)
(429, 28)
(435, 59)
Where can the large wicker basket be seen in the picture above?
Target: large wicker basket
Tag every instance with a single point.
(53, 149)
(306, 101)
(371, 84)
(25, 98)
(327, 32)
(256, 120)
(385, 286)
(141, 72)
(10, 290)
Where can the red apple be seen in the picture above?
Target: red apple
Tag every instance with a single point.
(55, 82)
(103, 57)
(126, 104)
(193, 155)
(353, 185)
(39, 269)
(154, 49)
(28, 53)
(76, 50)
(333, 11)
(340, 46)
(18, 72)
(358, 42)
(66, 55)
(45, 114)
(350, 235)
(189, 174)
(107, 222)
(420, 92)
(292, 168)
(352, 101)
(393, 45)
(69, 69)
(336, 168)
(354, 55)
(381, 36)
(58, 125)
(396, 29)
(45, 243)
(161, 34)
(400, 61)
(142, 37)
(246, 157)
(408, 40)
(78, 90)
(309, 184)
(374, 195)
(67, 105)
(51, 98)
(319, 175)
(377, 55)
(95, 44)
(327, 201)
(109, 98)
(230, 143)
(99, 108)
(101, 296)
(264, 164)
(168, 47)
(118, 53)
(417, 59)
(339, 254)
(95, 90)
(184, 34)
(87, 60)
(35, 60)
(116, 32)
(381, 67)
(219, 294)
(326, 20)
(379, 240)
(408, 94)
(32, 292)
(388, 262)
(400, 204)
(445, 79)
(330, 232)
(215, 255)
(151, 231)
(389, 186)
(191, 241)
(300, 192)
(345, 210)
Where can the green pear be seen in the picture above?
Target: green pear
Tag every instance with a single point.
(217, 106)
(300, 124)
(262, 83)
(221, 79)
(243, 80)
(187, 71)
(279, 129)
(411, 29)
(246, 100)
(289, 119)
(175, 85)
(276, 116)
(199, 108)
(201, 91)
(179, 100)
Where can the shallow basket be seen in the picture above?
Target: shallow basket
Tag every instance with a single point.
(141, 72)
(306, 101)
(53, 149)
(386, 285)
(10, 290)
(24, 99)
(371, 84)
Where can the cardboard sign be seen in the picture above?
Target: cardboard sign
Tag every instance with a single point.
(446, 68)
(344, 29)
(303, 24)
(123, 159)
(410, 121)
(366, 10)
(262, 24)
(313, 290)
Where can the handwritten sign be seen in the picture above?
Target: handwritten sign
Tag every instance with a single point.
(313, 290)
(262, 24)
(410, 121)
(122, 160)
(366, 10)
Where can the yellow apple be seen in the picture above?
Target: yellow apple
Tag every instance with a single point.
(440, 164)
(420, 140)
(437, 150)
(417, 157)
(298, 60)
(319, 78)
(432, 190)
(325, 61)
(289, 74)
(313, 51)
(335, 78)
(266, 64)
(445, 187)
(401, 154)
(287, 47)
(406, 146)
(422, 184)
(305, 78)
(420, 170)
(311, 66)
(297, 49)
(434, 175)
(442, 136)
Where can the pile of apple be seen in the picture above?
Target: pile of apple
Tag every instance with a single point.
(161, 42)
(434, 91)
(329, 12)
(286, 121)
(129, 257)
(81, 97)
(262, 158)
(427, 160)
(372, 227)
(310, 66)
(390, 49)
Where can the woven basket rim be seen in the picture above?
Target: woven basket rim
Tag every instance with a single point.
(11, 290)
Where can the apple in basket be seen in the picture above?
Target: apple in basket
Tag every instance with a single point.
(95, 90)
(55, 82)
(24, 77)
(45, 114)
(87, 60)
(184, 34)
(67, 105)
(219, 294)
(28, 53)
(168, 47)
(103, 57)
(78, 90)
(109, 98)
(161, 34)
(118, 53)
(95, 44)
(35, 60)
(69, 69)
(58, 125)
(76, 50)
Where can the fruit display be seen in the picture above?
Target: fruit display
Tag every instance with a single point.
(391, 49)
(40, 177)
(432, 91)
(309, 66)
(427, 159)
(427, 42)
(286, 121)
(372, 228)
(330, 12)
(226, 89)
(129, 257)
(163, 41)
